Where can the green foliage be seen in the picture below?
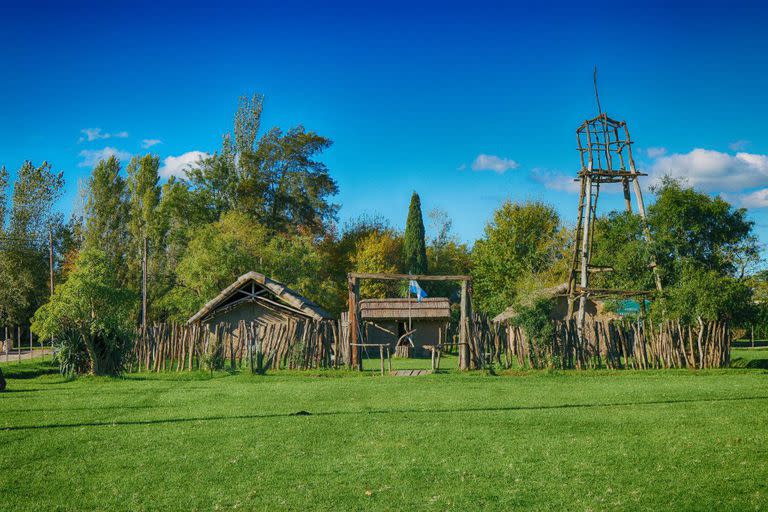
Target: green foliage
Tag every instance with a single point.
(379, 251)
(220, 252)
(276, 180)
(690, 227)
(702, 246)
(522, 240)
(91, 314)
(707, 295)
(446, 256)
(144, 221)
(414, 246)
(106, 215)
(619, 243)
(24, 242)
(337, 251)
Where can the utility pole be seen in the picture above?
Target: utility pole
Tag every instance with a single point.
(50, 258)
(144, 289)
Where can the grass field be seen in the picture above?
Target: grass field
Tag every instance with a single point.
(674, 440)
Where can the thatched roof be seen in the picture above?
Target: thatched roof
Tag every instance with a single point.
(260, 285)
(434, 308)
(544, 293)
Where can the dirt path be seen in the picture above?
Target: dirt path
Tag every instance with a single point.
(24, 354)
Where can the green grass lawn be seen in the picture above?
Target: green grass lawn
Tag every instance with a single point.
(663, 440)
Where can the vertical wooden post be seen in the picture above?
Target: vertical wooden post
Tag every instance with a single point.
(752, 334)
(7, 344)
(353, 285)
(18, 342)
(30, 340)
(463, 342)
(381, 358)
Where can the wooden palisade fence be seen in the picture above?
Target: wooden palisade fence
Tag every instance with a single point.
(610, 344)
(310, 344)
(297, 344)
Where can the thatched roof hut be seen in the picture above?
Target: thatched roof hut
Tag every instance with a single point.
(255, 297)
(559, 295)
(387, 320)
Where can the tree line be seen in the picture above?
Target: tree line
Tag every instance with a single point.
(264, 201)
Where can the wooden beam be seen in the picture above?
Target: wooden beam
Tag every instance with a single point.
(353, 286)
(406, 277)
(463, 324)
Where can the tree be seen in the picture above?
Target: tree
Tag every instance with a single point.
(143, 202)
(414, 246)
(106, 215)
(220, 252)
(24, 244)
(446, 255)
(379, 251)
(690, 226)
(90, 316)
(338, 249)
(278, 180)
(524, 242)
(702, 246)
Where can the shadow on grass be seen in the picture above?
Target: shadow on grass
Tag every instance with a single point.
(382, 411)
(750, 363)
(30, 370)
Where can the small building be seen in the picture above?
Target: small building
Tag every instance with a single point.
(386, 321)
(254, 297)
(559, 296)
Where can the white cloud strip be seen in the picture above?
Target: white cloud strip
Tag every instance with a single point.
(148, 143)
(92, 156)
(92, 134)
(556, 181)
(493, 163)
(178, 165)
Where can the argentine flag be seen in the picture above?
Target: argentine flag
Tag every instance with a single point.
(414, 288)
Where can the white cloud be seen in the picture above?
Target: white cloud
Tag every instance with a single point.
(92, 156)
(92, 134)
(656, 152)
(461, 167)
(739, 145)
(493, 163)
(756, 199)
(555, 180)
(148, 143)
(713, 170)
(178, 165)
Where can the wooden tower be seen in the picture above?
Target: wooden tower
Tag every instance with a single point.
(605, 150)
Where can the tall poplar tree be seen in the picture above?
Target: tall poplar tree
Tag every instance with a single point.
(414, 246)
(24, 244)
(106, 215)
(143, 178)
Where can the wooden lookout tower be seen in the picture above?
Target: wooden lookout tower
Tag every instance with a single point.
(605, 151)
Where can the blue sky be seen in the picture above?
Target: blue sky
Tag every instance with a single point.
(411, 96)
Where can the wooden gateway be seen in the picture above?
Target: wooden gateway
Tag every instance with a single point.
(388, 321)
(254, 297)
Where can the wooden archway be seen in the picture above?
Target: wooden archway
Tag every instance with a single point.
(353, 284)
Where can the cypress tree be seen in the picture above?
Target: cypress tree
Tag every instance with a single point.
(414, 246)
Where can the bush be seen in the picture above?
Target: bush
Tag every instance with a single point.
(91, 317)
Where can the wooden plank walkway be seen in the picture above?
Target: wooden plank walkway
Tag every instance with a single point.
(410, 373)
